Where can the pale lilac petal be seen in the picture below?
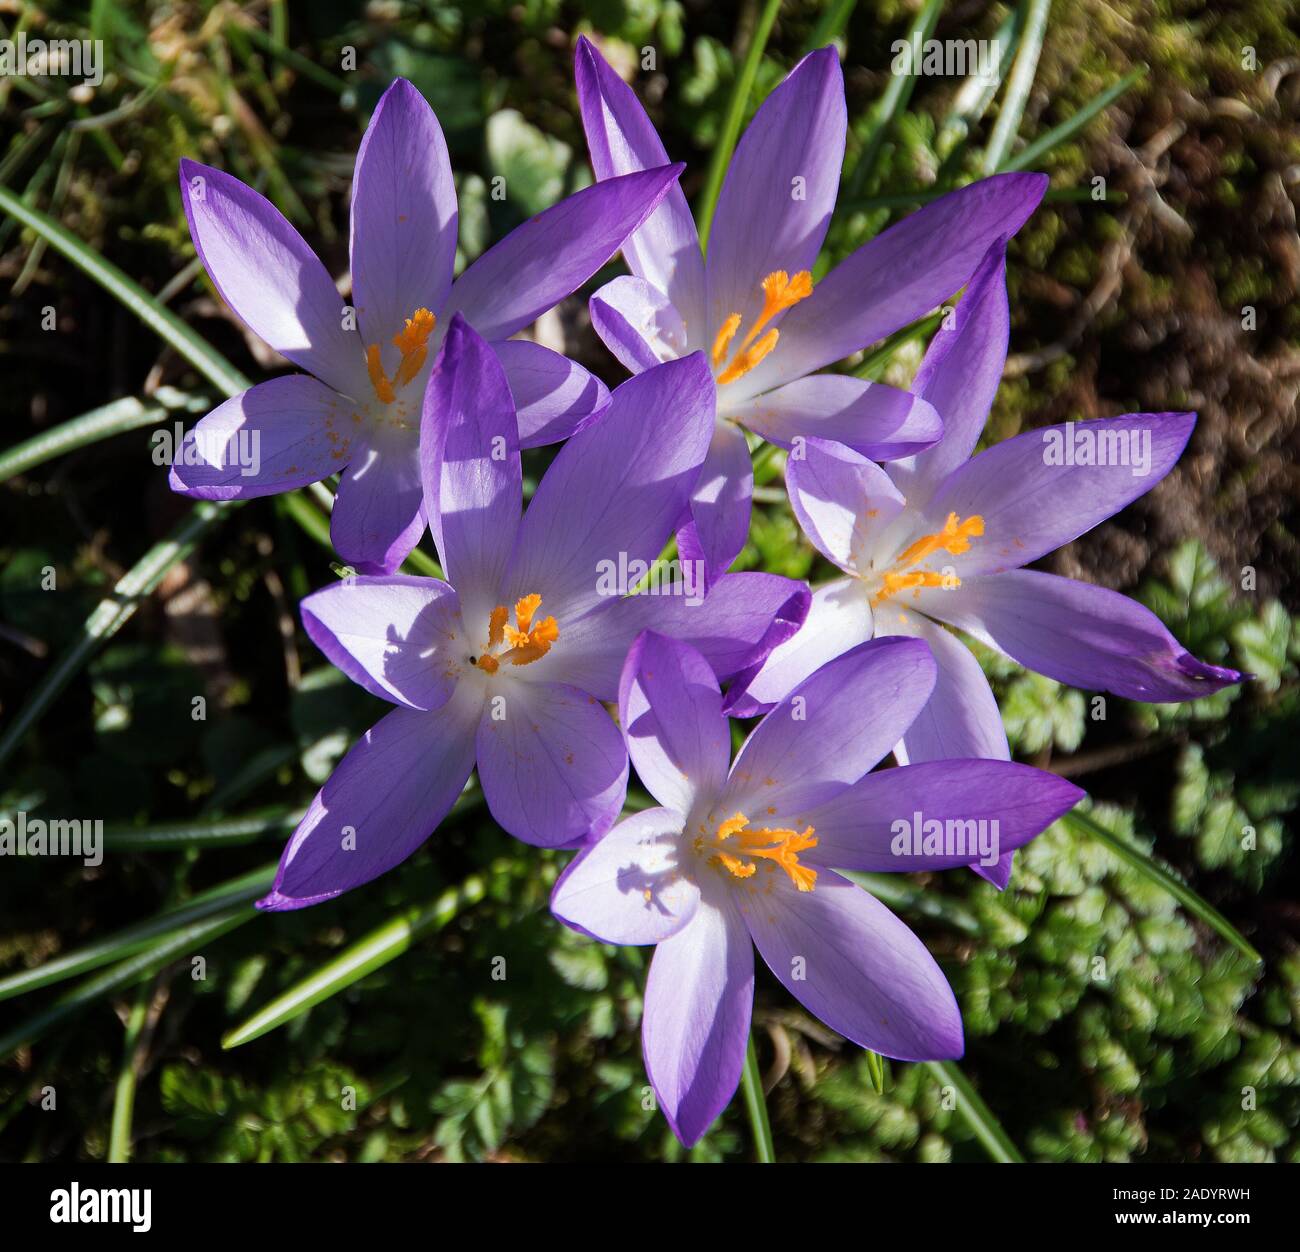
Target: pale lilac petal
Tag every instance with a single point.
(832, 728)
(735, 627)
(698, 999)
(960, 376)
(874, 419)
(670, 709)
(720, 504)
(627, 887)
(1032, 505)
(615, 489)
(961, 718)
(664, 250)
(264, 270)
(839, 618)
(984, 809)
(469, 460)
(274, 437)
(551, 761)
(840, 499)
(638, 323)
(1082, 635)
(397, 636)
(551, 255)
(554, 397)
(403, 234)
(899, 275)
(854, 965)
(380, 804)
(378, 514)
(779, 192)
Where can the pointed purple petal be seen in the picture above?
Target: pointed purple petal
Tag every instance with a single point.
(396, 636)
(627, 886)
(552, 763)
(274, 437)
(378, 514)
(403, 234)
(720, 504)
(638, 324)
(698, 999)
(554, 397)
(380, 804)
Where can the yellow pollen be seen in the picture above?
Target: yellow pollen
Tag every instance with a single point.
(780, 848)
(527, 642)
(411, 341)
(954, 538)
(780, 292)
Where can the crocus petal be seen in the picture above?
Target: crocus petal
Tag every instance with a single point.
(780, 188)
(378, 514)
(905, 272)
(626, 887)
(380, 804)
(664, 250)
(1032, 504)
(269, 276)
(735, 627)
(860, 828)
(615, 489)
(469, 462)
(874, 419)
(638, 323)
(720, 504)
(961, 718)
(551, 255)
(403, 235)
(274, 437)
(670, 709)
(554, 397)
(839, 618)
(393, 635)
(552, 763)
(1082, 635)
(832, 728)
(840, 499)
(960, 376)
(698, 999)
(850, 962)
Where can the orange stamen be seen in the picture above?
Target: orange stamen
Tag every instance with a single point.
(780, 292)
(527, 642)
(954, 538)
(411, 342)
(779, 847)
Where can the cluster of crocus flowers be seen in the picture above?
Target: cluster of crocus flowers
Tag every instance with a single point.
(418, 396)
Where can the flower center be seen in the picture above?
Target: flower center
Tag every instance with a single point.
(740, 851)
(411, 342)
(528, 643)
(780, 292)
(954, 538)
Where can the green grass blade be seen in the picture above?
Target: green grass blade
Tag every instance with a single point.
(192, 346)
(102, 423)
(137, 938)
(1073, 124)
(988, 1130)
(830, 25)
(383, 944)
(731, 122)
(181, 943)
(876, 1069)
(973, 99)
(1019, 85)
(1087, 825)
(119, 1135)
(110, 616)
(751, 1088)
(222, 833)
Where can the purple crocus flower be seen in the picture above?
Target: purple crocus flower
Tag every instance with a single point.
(941, 539)
(750, 853)
(357, 410)
(507, 662)
(753, 305)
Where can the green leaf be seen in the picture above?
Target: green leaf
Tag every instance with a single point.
(532, 163)
(978, 1116)
(1019, 84)
(751, 1087)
